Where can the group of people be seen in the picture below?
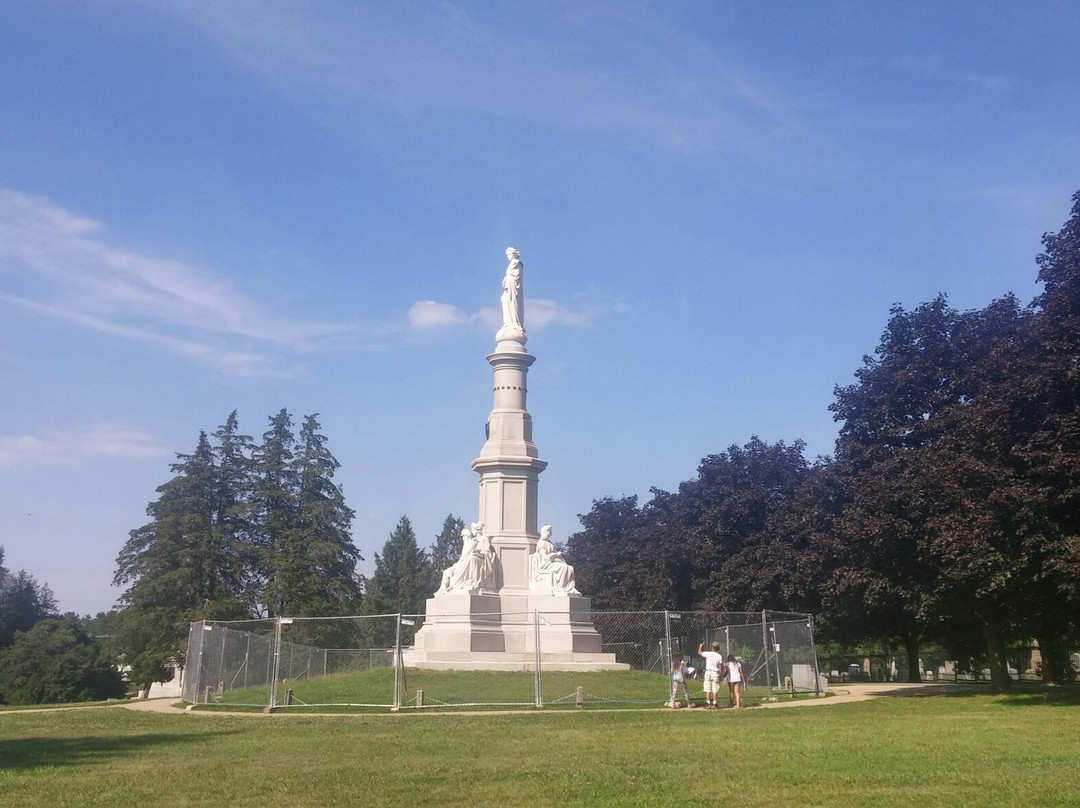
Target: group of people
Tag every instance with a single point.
(716, 670)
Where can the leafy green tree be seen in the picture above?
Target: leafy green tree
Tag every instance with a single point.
(402, 574)
(728, 507)
(1052, 446)
(629, 558)
(446, 549)
(100, 625)
(56, 662)
(23, 602)
(680, 550)
(788, 566)
(944, 518)
(890, 419)
(175, 569)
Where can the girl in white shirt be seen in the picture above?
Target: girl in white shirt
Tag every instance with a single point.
(735, 681)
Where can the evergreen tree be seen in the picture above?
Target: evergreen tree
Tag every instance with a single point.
(326, 570)
(175, 570)
(234, 522)
(446, 550)
(275, 510)
(402, 574)
(23, 602)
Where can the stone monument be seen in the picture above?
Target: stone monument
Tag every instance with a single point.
(510, 585)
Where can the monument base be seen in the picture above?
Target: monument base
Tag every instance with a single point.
(463, 631)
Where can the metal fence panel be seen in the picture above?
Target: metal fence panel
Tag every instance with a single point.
(337, 661)
(365, 661)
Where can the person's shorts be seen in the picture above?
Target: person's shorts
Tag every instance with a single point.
(712, 681)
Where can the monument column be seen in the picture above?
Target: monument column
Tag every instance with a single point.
(508, 464)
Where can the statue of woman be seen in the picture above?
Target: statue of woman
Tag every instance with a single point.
(513, 301)
(472, 571)
(548, 567)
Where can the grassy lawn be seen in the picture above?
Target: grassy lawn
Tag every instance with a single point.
(68, 706)
(970, 750)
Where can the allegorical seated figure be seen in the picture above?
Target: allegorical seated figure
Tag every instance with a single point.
(548, 569)
(474, 570)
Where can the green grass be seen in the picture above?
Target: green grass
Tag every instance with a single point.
(496, 689)
(971, 750)
(65, 706)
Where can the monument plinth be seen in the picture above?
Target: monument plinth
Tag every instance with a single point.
(511, 586)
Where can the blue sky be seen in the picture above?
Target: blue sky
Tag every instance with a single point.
(217, 206)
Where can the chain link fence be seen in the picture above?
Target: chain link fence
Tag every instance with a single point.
(367, 662)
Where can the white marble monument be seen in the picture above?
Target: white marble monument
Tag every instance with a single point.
(510, 584)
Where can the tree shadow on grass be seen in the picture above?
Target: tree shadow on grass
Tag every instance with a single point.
(41, 751)
(1024, 695)
(1064, 696)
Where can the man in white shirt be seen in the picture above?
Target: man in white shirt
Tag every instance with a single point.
(714, 662)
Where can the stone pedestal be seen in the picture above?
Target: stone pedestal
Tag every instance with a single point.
(461, 632)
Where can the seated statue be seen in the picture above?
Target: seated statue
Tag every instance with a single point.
(548, 568)
(474, 570)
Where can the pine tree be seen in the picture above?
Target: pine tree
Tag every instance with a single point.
(402, 573)
(23, 602)
(175, 570)
(304, 525)
(327, 583)
(234, 518)
(275, 506)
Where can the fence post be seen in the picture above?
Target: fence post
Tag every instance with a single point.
(277, 663)
(397, 666)
(775, 640)
(536, 643)
(765, 648)
(247, 659)
(667, 640)
(198, 665)
(221, 662)
(813, 654)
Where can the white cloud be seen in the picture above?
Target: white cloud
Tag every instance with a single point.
(426, 314)
(74, 447)
(65, 269)
(539, 314)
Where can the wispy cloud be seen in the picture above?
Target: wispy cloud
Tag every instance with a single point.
(74, 447)
(59, 265)
(427, 315)
(613, 69)
(63, 267)
(933, 67)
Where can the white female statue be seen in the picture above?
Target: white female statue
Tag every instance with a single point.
(548, 568)
(473, 570)
(513, 299)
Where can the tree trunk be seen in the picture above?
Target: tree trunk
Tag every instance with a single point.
(1055, 659)
(911, 647)
(993, 631)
